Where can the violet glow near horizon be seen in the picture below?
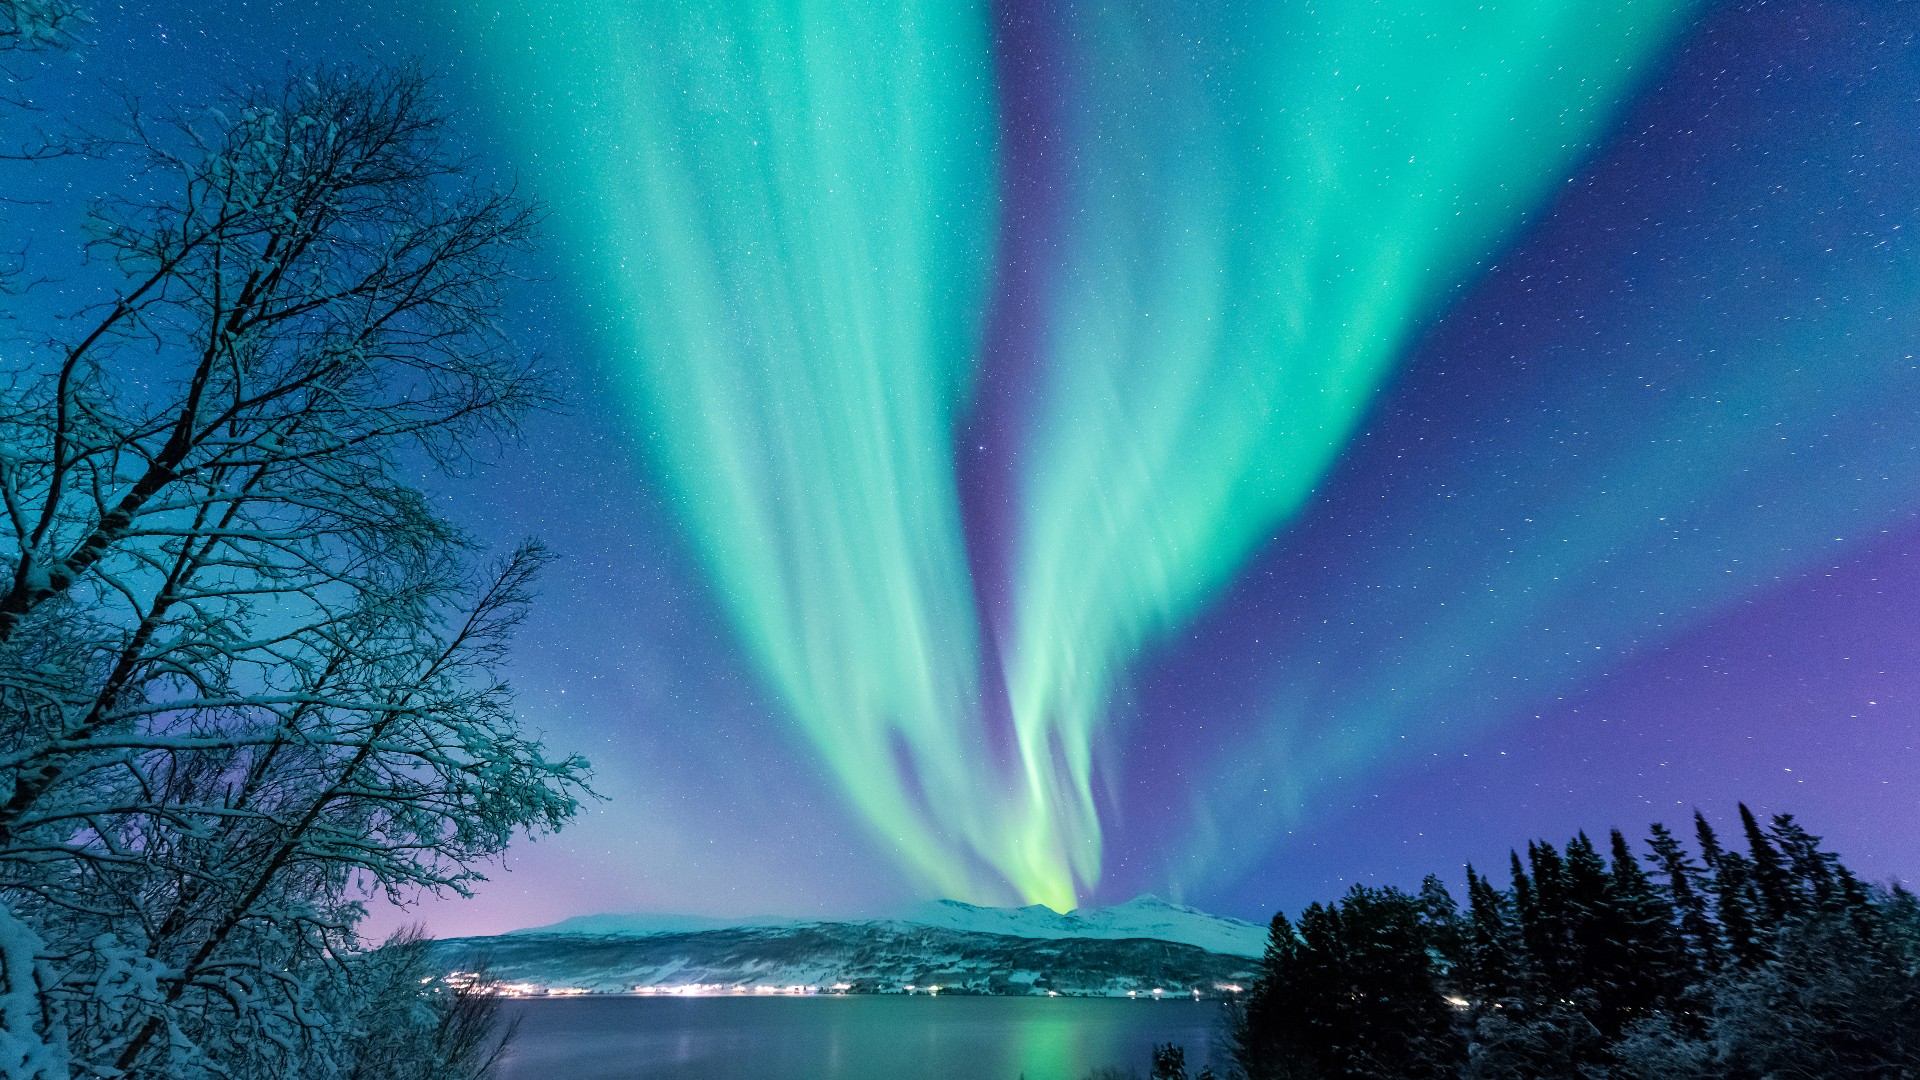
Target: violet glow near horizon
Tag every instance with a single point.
(1615, 513)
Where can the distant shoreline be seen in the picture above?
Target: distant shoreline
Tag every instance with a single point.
(609, 995)
(522, 992)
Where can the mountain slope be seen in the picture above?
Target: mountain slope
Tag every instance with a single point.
(1138, 947)
(1142, 917)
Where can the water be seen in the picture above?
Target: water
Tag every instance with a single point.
(851, 1038)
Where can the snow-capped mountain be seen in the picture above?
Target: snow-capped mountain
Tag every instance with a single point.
(1142, 946)
(645, 925)
(1147, 917)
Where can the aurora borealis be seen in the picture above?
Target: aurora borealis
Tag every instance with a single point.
(817, 246)
(1256, 207)
(1262, 203)
(1047, 451)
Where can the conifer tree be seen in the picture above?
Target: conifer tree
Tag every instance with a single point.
(1493, 946)
(1738, 909)
(1686, 888)
(1446, 932)
(1690, 978)
(1809, 868)
(1527, 927)
(1271, 1035)
(1592, 925)
(1401, 1027)
(1770, 878)
(1548, 938)
(1860, 908)
(1336, 1021)
(1525, 909)
(1733, 908)
(1653, 962)
(1897, 917)
(1709, 842)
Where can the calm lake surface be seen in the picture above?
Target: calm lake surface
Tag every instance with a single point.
(851, 1038)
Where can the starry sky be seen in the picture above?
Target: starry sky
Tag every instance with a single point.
(1051, 451)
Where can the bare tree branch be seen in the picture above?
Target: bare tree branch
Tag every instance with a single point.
(247, 676)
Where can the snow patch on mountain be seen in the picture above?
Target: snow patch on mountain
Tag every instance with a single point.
(1142, 917)
(646, 925)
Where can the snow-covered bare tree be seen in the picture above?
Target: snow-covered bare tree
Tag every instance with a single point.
(38, 24)
(28, 27)
(247, 676)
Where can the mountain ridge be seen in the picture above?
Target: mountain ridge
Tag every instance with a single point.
(1145, 916)
(1144, 947)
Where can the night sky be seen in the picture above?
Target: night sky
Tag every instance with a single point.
(1049, 452)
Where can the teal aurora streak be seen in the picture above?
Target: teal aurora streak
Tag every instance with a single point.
(793, 207)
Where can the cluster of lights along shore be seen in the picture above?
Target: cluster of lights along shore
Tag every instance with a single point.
(464, 980)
